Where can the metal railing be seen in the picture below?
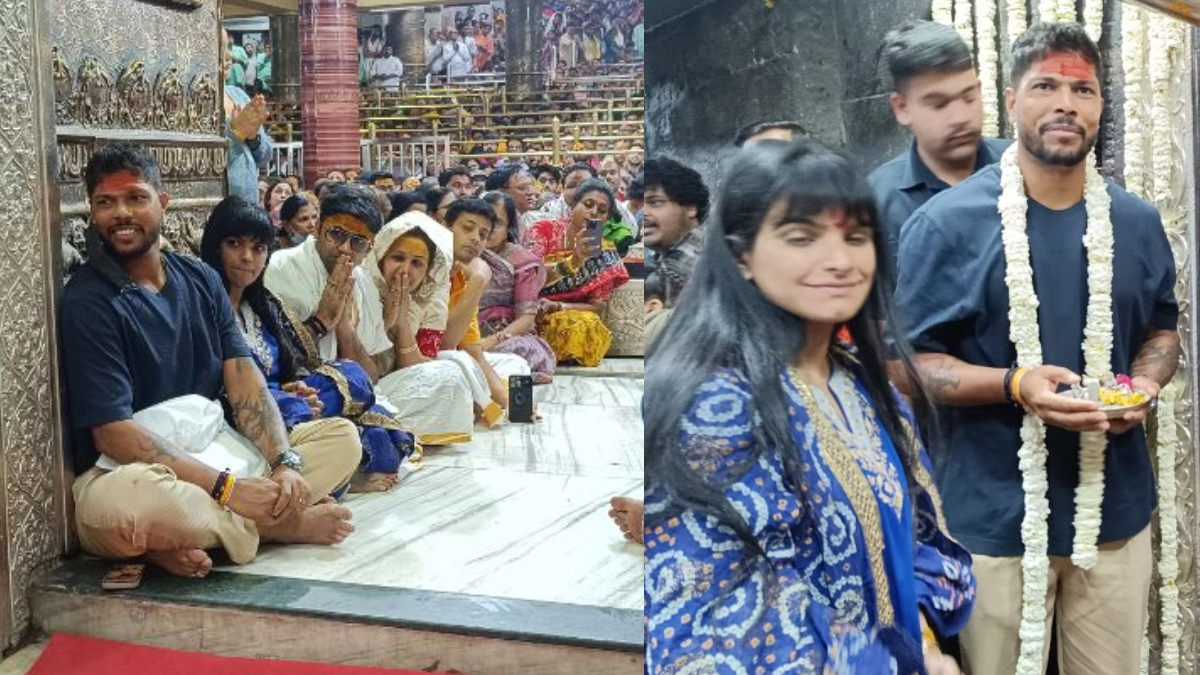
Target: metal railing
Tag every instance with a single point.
(287, 159)
(410, 157)
(469, 80)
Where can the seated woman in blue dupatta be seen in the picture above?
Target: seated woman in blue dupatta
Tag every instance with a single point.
(236, 243)
(791, 521)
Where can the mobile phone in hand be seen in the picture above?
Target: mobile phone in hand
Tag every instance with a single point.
(123, 577)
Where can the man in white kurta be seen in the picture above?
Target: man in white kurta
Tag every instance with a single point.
(458, 56)
(387, 71)
(302, 276)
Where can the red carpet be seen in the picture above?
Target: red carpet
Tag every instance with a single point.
(74, 655)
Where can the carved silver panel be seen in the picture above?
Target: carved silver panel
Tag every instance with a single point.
(141, 71)
(31, 466)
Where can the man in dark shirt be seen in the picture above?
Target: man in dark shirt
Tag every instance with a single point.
(676, 203)
(937, 97)
(141, 327)
(954, 296)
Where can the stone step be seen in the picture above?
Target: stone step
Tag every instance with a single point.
(22, 660)
(279, 618)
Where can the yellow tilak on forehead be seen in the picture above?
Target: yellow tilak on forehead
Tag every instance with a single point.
(348, 223)
(411, 245)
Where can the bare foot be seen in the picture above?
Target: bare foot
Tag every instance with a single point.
(323, 525)
(183, 562)
(626, 512)
(374, 482)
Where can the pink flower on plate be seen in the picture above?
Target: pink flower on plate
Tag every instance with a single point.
(1125, 381)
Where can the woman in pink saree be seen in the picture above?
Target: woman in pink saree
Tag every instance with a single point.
(509, 307)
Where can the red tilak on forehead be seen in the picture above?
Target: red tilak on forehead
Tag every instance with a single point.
(119, 182)
(1067, 64)
(837, 215)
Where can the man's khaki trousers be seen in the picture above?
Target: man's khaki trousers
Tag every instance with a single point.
(143, 507)
(1101, 612)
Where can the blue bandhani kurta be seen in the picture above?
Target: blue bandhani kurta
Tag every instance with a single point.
(345, 390)
(849, 580)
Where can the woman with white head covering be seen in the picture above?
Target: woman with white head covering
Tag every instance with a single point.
(411, 264)
(411, 267)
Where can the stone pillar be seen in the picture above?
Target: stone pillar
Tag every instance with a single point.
(405, 32)
(285, 57)
(523, 40)
(329, 85)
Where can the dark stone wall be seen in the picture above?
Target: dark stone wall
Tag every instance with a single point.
(872, 134)
(727, 64)
(732, 63)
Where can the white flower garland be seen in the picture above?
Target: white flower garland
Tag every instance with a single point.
(1133, 59)
(1168, 520)
(943, 12)
(1164, 48)
(1024, 333)
(1066, 11)
(1144, 668)
(1097, 359)
(962, 22)
(985, 38)
(1017, 21)
(1048, 11)
(1093, 18)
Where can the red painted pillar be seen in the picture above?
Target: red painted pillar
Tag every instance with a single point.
(329, 85)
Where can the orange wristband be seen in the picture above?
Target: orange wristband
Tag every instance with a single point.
(1016, 386)
(228, 491)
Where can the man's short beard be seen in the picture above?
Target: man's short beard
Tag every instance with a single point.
(1032, 141)
(152, 238)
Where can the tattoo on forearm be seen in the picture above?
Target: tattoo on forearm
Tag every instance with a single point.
(1159, 358)
(939, 377)
(258, 417)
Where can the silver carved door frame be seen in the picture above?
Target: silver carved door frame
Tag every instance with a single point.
(33, 523)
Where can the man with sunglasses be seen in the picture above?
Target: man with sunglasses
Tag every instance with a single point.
(321, 281)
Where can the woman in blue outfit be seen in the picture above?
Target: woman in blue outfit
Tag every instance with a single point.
(792, 525)
(236, 243)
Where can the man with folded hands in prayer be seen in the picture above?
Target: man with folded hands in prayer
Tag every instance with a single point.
(321, 281)
(142, 327)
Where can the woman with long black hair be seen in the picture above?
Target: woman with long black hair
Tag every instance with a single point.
(237, 243)
(791, 517)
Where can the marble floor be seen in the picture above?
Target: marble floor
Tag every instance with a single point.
(519, 512)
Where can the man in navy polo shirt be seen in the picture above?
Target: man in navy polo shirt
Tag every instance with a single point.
(954, 296)
(937, 97)
(142, 327)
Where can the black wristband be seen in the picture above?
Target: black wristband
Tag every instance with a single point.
(316, 326)
(220, 486)
(253, 143)
(1008, 378)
